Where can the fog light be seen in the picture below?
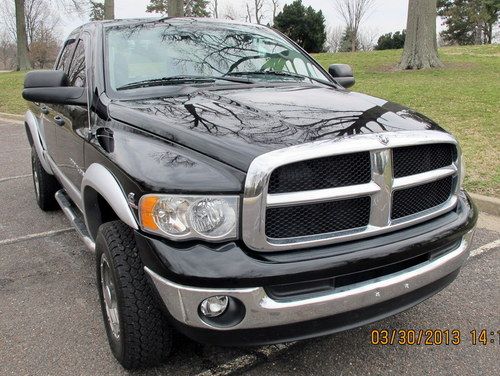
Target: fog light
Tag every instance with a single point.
(214, 306)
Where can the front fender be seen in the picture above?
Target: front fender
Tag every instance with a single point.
(36, 139)
(98, 180)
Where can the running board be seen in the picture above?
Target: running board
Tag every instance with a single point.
(75, 217)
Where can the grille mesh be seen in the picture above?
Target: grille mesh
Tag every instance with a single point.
(329, 172)
(413, 160)
(314, 219)
(417, 199)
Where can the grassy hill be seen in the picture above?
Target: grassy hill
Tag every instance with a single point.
(463, 97)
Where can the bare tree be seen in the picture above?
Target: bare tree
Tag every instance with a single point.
(367, 39)
(7, 52)
(8, 17)
(23, 62)
(40, 23)
(69, 7)
(44, 48)
(38, 14)
(334, 38)
(276, 8)
(40, 17)
(354, 12)
(420, 49)
(259, 14)
(214, 8)
(230, 12)
(248, 17)
(109, 9)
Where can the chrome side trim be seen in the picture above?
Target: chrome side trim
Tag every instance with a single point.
(262, 311)
(73, 217)
(70, 188)
(38, 140)
(256, 199)
(102, 181)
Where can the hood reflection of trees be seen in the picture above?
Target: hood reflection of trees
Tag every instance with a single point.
(285, 124)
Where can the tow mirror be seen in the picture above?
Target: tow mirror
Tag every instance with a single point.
(343, 74)
(51, 86)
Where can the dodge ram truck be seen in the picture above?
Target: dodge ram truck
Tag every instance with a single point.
(235, 191)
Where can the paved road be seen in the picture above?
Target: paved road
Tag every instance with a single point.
(50, 322)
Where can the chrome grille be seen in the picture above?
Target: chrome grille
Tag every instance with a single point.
(331, 214)
(417, 199)
(414, 160)
(329, 172)
(325, 217)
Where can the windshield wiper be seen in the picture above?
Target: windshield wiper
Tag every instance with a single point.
(281, 74)
(175, 80)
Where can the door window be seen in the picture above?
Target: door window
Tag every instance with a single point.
(77, 75)
(65, 59)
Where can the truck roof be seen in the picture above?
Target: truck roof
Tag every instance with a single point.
(134, 21)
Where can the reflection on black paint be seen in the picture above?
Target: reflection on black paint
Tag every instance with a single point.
(169, 159)
(274, 123)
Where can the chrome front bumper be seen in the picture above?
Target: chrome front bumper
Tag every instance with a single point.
(261, 311)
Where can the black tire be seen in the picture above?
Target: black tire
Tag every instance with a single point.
(45, 185)
(144, 336)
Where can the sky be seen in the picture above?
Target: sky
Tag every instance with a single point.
(386, 16)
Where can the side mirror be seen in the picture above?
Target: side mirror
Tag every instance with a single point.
(51, 87)
(342, 73)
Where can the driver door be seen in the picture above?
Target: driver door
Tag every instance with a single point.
(72, 122)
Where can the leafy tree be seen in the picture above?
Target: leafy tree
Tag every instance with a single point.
(468, 21)
(196, 8)
(96, 11)
(304, 25)
(391, 41)
(192, 8)
(349, 41)
(353, 12)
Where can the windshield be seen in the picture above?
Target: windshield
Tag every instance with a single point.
(185, 51)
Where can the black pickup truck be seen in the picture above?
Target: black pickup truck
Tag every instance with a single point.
(235, 191)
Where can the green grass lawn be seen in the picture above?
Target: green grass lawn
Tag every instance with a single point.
(463, 97)
(11, 85)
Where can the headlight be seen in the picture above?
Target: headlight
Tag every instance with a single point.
(212, 218)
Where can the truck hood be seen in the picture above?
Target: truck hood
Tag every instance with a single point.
(236, 125)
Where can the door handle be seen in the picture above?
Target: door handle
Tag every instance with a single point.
(59, 120)
(44, 110)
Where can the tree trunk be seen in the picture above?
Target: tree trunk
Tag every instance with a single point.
(109, 9)
(175, 8)
(488, 32)
(420, 49)
(478, 34)
(216, 8)
(23, 62)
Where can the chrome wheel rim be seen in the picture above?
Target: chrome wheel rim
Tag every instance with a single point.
(109, 297)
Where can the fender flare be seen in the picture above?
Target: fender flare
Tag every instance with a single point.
(37, 140)
(100, 179)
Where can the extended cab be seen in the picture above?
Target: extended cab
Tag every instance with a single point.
(235, 191)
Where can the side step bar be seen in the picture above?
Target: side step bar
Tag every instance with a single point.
(75, 217)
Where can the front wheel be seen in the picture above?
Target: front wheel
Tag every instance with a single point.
(138, 332)
(45, 184)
